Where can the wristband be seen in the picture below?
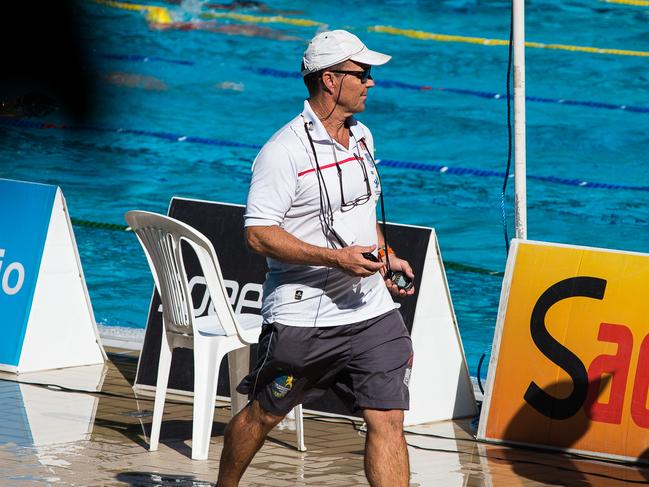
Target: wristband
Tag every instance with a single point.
(381, 252)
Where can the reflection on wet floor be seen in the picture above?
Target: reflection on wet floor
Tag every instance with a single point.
(67, 433)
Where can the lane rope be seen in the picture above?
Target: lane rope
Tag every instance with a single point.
(462, 91)
(636, 3)
(159, 15)
(432, 36)
(420, 166)
(468, 171)
(395, 84)
(262, 19)
(456, 266)
(102, 225)
(145, 59)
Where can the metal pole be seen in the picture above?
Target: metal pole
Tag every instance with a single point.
(520, 199)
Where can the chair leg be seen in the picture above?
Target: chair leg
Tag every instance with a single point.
(164, 365)
(207, 361)
(299, 427)
(238, 366)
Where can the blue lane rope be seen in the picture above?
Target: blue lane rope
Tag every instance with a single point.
(461, 91)
(468, 171)
(145, 59)
(419, 166)
(490, 95)
(148, 133)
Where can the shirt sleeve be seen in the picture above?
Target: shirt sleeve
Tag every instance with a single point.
(272, 187)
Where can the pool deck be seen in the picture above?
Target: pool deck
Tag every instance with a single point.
(70, 435)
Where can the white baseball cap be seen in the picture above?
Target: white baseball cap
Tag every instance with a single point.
(335, 46)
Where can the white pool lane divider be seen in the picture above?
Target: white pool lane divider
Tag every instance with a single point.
(46, 318)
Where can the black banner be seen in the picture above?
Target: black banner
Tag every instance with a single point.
(244, 273)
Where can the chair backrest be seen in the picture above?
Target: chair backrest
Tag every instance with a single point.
(161, 237)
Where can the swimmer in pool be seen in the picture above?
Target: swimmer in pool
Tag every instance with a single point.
(135, 80)
(243, 5)
(228, 29)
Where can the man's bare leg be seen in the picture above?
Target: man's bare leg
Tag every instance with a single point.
(244, 436)
(386, 452)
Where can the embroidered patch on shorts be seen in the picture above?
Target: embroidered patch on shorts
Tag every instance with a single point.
(281, 386)
(298, 294)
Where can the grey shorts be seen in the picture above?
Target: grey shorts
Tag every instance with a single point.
(372, 359)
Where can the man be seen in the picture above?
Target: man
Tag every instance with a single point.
(329, 320)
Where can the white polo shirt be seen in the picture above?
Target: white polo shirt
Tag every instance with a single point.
(284, 191)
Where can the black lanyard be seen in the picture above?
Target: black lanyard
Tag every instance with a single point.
(327, 215)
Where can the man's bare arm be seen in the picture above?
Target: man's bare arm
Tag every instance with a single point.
(379, 234)
(275, 242)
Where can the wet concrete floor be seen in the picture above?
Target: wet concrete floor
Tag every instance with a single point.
(84, 426)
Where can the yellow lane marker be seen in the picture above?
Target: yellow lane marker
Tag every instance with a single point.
(155, 14)
(637, 3)
(162, 16)
(261, 19)
(431, 36)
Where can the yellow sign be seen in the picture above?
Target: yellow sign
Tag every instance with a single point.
(570, 362)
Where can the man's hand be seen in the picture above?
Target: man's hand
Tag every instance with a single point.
(350, 260)
(397, 264)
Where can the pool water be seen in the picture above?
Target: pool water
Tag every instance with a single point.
(213, 85)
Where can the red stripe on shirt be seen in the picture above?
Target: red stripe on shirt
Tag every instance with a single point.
(326, 166)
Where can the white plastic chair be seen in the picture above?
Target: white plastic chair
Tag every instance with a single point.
(211, 336)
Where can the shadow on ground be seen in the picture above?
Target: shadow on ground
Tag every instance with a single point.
(528, 426)
(150, 479)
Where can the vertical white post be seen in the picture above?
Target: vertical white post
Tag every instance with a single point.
(520, 199)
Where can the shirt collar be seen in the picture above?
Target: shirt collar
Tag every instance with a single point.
(319, 133)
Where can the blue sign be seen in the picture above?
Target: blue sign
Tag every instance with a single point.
(25, 210)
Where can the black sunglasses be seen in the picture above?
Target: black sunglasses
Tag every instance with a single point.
(361, 75)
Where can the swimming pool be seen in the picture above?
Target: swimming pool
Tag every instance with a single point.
(192, 105)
